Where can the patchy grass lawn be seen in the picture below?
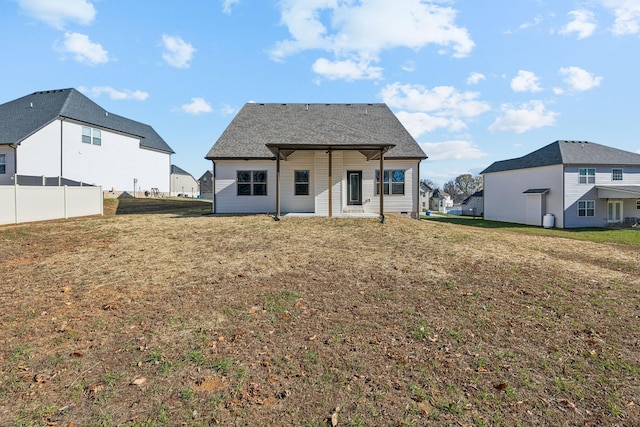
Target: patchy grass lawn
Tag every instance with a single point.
(173, 317)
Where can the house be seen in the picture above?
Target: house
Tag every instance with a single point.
(206, 185)
(321, 159)
(473, 205)
(425, 194)
(182, 183)
(580, 183)
(62, 133)
(440, 201)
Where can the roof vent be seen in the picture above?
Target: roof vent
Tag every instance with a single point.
(31, 105)
(106, 114)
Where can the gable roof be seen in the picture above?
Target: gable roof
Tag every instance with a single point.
(568, 153)
(175, 170)
(24, 116)
(258, 127)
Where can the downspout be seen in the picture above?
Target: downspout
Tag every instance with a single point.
(213, 188)
(330, 186)
(416, 193)
(277, 216)
(61, 144)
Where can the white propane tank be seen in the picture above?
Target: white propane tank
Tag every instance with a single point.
(548, 221)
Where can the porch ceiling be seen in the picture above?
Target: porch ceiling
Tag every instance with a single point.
(370, 151)
(618, 191)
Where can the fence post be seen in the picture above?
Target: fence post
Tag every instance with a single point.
(15, 197)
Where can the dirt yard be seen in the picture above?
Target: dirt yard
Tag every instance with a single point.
(172, 318)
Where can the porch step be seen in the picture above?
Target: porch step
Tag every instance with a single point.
(354, 209)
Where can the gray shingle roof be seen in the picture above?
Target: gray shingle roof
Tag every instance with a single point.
(176, 170)
(24, 116)
(568, 153)
(313, 125)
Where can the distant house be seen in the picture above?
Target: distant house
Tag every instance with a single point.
(473, 205)
(425, 194)
(440, 201)
(62, 133)
(182, 183)
(322, 159)
(206, 185)
(580, 183)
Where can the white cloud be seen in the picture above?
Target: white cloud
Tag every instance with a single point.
(475, 78)
(83, 49)
(580, 79)
(347, 70)
(408, 66)
(525, 81)
(197, 106)
(442, 106)
(57, 12)
(228, 110)
(228, 4)
(531, 115)
(452, 150)
(359, 31)
(583, 24)
(178, 53)
(627, 13)
(117, 95)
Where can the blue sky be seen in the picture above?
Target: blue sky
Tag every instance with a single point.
(474, 82)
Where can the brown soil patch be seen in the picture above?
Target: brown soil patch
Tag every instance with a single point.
(181, 318)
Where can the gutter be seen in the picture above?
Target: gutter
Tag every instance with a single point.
(213, 187)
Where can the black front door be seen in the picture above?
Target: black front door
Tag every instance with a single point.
(354, 187)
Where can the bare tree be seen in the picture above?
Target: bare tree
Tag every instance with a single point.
(463, 186)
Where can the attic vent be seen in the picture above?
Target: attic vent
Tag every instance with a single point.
(31, 105)
(106, 114)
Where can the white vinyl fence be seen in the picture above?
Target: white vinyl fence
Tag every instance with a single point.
(25, 203)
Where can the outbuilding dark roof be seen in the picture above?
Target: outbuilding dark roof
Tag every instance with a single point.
(257, 127)
(24, 116)
(568, 153)
(176, 170)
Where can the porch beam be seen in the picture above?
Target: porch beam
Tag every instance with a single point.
(330, 179)
(277, 216)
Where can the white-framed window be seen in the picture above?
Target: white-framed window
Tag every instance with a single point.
(252, 183)
(586, 208)
(3, 164)
(301, 178)
(638, 205)
(616, 174)
(393, 181)
(587, 176)
(91, 135)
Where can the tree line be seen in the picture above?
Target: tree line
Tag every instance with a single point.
(460, 188)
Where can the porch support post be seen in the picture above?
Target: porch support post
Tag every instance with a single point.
(330, 186)
(382, 185)
(277, 216)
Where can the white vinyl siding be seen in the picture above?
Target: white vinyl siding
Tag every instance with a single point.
(289, 202)
(226, 198)
(113, 165)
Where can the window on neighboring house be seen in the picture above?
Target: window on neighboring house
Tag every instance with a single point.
(638, 205)
(616, 174)
(586, 208)
(252, 183)
(587, 176)
(91, 135)
(3, 164)
(301, 182)
(397, 182)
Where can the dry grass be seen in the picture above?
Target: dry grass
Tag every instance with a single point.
(185, 319)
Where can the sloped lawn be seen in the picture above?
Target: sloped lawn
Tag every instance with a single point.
(179, 318)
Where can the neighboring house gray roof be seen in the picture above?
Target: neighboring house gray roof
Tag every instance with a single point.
(313, 126)
(175, 170)
(24, 116)
(207, 174)
(439, 194)
(568, 153)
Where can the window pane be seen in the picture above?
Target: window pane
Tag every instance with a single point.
(386, 188)
(244, 189)
(617, 175)
(97, 137)
(86, 134)
(259, 189)
(3, 164)
(244, 176)
(302, 189)
(397, 188)
(386, 176)
(397, 176)
(302, 176)
(260, 176)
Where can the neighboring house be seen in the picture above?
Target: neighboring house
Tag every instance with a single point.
(473, 205)
(322, 159)
(206, 185)
(440, 201)
(580, 183)
(182, 183)
(62, 133)
(425, 194)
